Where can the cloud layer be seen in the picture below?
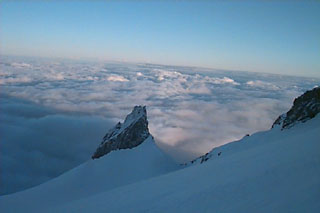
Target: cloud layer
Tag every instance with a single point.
(54, 112)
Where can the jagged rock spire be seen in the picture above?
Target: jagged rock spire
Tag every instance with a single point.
(129, 134)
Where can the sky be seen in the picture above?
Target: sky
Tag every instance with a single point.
(274, 37)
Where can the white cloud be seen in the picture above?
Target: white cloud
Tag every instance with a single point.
(198, 89)
(52, 76)
(262, 85)
(224, 80)
(12, 80)
(117, 78)
(21, 65)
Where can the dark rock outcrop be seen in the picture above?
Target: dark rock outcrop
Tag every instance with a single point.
(304, 108)
(129, 134)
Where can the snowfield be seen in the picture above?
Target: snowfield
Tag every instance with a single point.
(118, 168)
(271, 171)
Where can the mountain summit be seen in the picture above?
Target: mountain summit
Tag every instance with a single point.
(127, 135)
(304, 108)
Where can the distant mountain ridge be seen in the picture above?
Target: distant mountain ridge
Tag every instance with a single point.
(129, 134)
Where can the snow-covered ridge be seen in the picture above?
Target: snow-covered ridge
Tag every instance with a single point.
(304, 108)
(271, 171)
(129, 134)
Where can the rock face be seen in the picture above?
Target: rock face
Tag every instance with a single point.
(304, 108)
(129, 134)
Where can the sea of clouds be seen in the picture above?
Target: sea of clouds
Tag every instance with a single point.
(55, 112)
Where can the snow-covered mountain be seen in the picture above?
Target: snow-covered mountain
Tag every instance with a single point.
(273, 171)
(127, 154)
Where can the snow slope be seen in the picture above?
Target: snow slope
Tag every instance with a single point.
(115, 169)
(272, 171)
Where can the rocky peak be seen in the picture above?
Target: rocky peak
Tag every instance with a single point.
(304, 108)
(129, 134)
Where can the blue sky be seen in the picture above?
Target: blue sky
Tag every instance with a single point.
(264, 36)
